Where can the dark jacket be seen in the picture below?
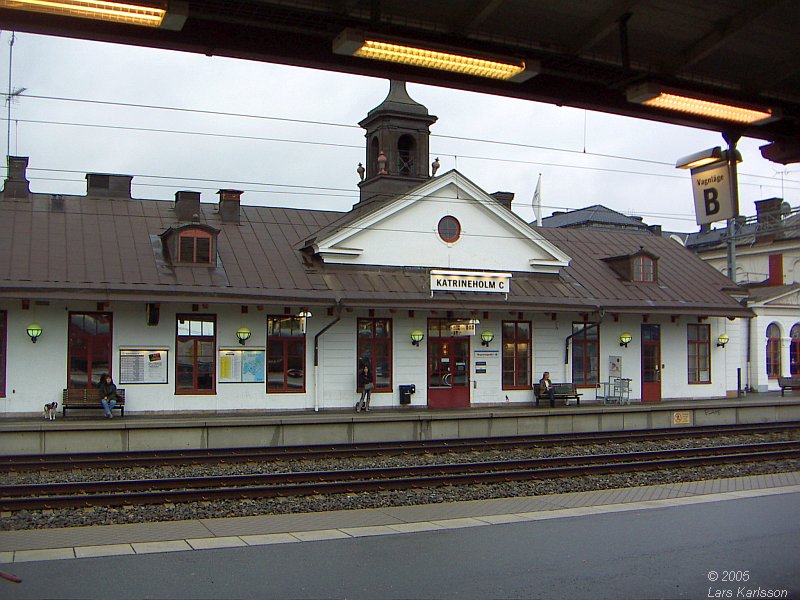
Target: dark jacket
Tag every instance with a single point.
(107, 390)
(364, 378)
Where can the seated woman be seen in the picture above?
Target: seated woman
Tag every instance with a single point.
(546, 387)
(108, 395)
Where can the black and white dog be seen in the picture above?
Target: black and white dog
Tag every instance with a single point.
(50, 410)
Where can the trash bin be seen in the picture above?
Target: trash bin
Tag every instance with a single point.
(405, 393)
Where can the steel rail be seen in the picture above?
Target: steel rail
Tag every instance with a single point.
(360, 480)
(54, 462)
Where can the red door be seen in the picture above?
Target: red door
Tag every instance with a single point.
(448, 372)
(651, 363)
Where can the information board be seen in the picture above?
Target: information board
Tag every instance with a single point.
(143, 365)
(241, 366)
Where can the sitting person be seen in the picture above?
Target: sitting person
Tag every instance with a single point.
(546, 387)
(108, 395)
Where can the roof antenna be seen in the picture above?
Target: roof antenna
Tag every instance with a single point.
(13, 94)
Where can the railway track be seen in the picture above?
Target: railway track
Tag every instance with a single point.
(203, 489)
(55, 462)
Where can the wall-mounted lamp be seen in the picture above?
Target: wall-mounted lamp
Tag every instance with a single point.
(408, 52)
(148, 14)
(625, 339)
(486, 338)
(243, 333)
(658, 96)
(722, 340)
(416, 337)
(34, 331)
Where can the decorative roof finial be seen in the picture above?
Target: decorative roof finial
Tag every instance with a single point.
(361, 171)
(382, 163)
(435, 167)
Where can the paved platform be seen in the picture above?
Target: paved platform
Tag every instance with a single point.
(203, 534)
(92, 433)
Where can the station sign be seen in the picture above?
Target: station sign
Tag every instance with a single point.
(470, 281)
(713, 199)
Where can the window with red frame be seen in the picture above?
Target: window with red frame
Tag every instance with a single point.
(699, 352)
(194, 246)
(88, 349)
(516, 355)
(195, 343)
(286, 355)
(794, 351)
(644, 269)
(585, 354)
(773, 351)
(375, 351)
(3, 341)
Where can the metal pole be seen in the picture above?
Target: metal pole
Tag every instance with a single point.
(732, 138)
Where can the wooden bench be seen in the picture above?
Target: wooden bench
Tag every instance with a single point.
(88, 398)
(563, 391)
(789, 383)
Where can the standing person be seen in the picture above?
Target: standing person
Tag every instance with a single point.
(546, 387)
(108, 394)
(365, 383)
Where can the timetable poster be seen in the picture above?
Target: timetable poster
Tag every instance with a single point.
(143, 366)
(241, 366)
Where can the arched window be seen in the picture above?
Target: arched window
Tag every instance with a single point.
(794, 351)
(406, 151)
(773, 351)
(372, 164)
(194, 246)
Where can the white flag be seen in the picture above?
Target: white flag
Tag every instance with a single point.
(537, 201)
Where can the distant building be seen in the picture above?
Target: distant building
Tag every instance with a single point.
(599, 217)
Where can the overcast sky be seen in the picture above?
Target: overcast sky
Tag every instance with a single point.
(289, 136)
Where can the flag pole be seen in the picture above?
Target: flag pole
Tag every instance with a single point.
(537, 201)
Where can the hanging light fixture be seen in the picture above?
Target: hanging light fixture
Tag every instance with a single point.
(170, 15)
(657, 96)
(377, 47)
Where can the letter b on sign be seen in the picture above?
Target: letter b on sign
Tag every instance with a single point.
(710, 196)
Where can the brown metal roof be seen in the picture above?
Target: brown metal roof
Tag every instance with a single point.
(109, 248)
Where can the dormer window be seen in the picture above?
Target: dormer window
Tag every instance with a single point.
(639, 267)
(190, 245)
(644, 269)
(194, 246)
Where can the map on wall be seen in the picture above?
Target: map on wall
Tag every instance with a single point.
(143, 366)
(241, 366)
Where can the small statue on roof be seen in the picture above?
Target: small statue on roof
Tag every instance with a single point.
(435, 166)
(361, 171)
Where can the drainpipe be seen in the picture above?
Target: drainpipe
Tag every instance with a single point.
(338, 312)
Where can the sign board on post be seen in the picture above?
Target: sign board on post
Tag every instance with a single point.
(713, 200)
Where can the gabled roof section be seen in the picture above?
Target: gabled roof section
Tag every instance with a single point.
(597, 216)
(403, 232)
(779, 295)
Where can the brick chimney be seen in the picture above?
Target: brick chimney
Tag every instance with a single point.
(112, 186)
(187, 205)
(17, 184)
(504, 198)
(768, 219)
(229, 205)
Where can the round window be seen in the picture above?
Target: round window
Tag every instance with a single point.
(449, 229)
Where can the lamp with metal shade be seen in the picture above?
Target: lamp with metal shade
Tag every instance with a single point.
(625, 339)
(243, 333)
(486, 338)
(34, 330)
(722, 340)
(416, 337)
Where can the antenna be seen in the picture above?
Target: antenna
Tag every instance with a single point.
(13, 95)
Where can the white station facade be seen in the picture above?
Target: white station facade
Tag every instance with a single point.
(449, 298)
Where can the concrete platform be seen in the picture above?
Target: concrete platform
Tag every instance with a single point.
(203, 534)
(92, 433)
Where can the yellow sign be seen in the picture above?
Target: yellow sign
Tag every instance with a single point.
(682, 417)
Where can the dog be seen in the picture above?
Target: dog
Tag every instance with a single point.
(50, 411)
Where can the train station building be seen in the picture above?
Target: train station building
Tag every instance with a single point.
(449, 298)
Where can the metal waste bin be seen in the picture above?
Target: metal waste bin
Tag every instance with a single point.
(405, 393)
